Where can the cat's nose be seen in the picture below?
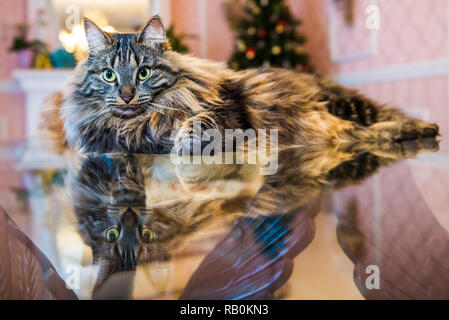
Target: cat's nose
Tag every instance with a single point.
(127, 92)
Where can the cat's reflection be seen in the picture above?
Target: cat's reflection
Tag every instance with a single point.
(134, 209)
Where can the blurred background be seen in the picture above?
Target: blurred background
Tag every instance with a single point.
(396, 52)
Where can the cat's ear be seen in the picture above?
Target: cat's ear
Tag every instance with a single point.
(96, 38)
(153, 33)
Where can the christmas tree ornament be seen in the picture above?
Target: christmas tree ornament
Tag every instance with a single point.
(276, 50)
(262, 33)
(250, 53)
(280, 27)
(241, 46)
(251, 31)
(264, 3)
(256, 11)
(261, 44)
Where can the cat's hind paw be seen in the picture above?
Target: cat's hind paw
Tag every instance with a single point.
(415, 130)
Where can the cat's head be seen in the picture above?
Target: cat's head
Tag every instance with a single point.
(122, 87)
(113, 219)
(124, 71)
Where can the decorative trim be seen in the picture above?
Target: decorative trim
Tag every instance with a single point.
(394, 73)
(203, 28)
(32, 80)
(333, 36)
(162, 8)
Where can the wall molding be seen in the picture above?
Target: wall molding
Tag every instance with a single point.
(203, 28)
(426, 69)
(163, 9)
(336, 57)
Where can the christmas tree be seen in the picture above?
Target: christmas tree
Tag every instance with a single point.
(267, 35)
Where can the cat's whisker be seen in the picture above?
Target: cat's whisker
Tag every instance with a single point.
(159, 111)
(164, 107)
(92, 119)
(104, 198)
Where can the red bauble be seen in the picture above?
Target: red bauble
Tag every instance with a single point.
(262, 34)
(282, 23)
(250, 53)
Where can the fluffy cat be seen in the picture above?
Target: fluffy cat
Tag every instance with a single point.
(132, 93)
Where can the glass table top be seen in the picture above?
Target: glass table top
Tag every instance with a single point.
(331, 222)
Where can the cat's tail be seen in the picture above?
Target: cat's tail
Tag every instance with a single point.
(51, 126)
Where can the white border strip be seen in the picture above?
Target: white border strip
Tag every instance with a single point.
(203, 28)
(394, 73)
(333, 39)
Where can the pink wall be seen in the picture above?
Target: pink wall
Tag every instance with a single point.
(216, 36)
(12, 117)
(11, 103)
(185, 17)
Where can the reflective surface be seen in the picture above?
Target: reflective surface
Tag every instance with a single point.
(333, 222)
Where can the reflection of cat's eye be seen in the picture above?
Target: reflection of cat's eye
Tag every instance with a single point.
(147, 235)
(112, 235)
(144, 73)
(109, 75)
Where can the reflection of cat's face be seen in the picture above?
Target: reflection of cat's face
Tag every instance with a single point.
(127, 235)
(109, 197)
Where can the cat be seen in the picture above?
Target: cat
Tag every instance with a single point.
(133, 94)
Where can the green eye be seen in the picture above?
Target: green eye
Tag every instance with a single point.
(109, 75)
(144, 73)
(147, 235)
(112, 235)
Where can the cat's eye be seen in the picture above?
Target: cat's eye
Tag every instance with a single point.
(144, 73)
(109, 75)
(147, 235)
(112, 235)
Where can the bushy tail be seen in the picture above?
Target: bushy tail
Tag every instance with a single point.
(51, 126)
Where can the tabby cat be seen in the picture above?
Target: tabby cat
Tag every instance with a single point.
(132, 93)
